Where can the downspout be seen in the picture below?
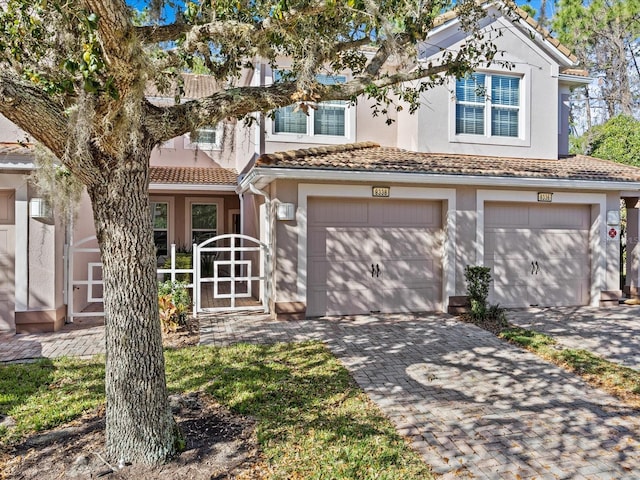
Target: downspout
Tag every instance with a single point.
(270, 274)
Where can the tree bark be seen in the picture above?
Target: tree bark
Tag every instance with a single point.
(139, 424)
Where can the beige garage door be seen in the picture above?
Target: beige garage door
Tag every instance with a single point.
(539, 254)
(7, 261)
(373, 255)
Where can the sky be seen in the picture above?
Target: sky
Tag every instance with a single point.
(534, 3)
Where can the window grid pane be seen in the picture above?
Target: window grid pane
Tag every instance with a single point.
(289, 121)
(329, 120)
(505, 90)
(468, 88)
(504, 122)
(470, 119)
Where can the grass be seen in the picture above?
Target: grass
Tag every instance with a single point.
(618, 380)
(313, 422)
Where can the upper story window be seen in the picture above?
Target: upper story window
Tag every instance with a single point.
(324, 122)
(488, 105)
(206, 138)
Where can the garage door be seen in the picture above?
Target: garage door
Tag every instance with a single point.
(539, 254)
(369, 255)
(7, 262)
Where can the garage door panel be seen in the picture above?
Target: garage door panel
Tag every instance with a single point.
(560, 217)
(404, 213)
(425, 299)
(512, 216)
(402, 272)
(536, 243)
(518, 295)
(346, 212)
(351, 242)
(561, 294)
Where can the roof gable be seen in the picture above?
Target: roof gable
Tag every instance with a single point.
(447, 32)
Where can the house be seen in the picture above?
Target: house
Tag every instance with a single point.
(351, 215)
(480, 175)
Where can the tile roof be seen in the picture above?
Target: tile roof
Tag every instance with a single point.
(195, 86)
(194, 175)
(369, 156)
(14, 148)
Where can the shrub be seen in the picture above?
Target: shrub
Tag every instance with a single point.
(478, 279)
(183, 261)
(174, 303)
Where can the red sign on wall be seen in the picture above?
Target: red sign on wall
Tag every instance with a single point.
(613, 233)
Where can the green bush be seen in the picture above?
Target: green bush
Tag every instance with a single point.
(183, 261)
(478, 279)
(174, 303)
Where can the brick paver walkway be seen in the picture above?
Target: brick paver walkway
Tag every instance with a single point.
(472, 405)
(612, 333)
(82, 339)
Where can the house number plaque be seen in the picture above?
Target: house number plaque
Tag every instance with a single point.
(380, 191)
(545, 197)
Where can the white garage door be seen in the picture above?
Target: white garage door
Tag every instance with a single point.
(373, 255)
(539, 254)
(7, 261)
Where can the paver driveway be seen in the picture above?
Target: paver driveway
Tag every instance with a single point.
(612, 333)
(472, 405)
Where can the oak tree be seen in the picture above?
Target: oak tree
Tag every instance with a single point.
(73, 75)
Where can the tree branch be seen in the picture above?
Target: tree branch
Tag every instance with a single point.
(35, 112)
(162, 33)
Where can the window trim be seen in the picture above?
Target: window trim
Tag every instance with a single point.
(189, 201)
(524, 118)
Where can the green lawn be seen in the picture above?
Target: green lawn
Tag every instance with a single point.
(620, 381)
(313, 421)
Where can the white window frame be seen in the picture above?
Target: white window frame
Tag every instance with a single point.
(219, 131)
(310, 136)
(189, 201)
(170, 216)
(524, 116)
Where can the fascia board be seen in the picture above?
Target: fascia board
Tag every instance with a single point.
(267, 175)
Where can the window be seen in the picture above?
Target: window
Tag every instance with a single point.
(207, 138)
(488, 105)
(325, 119)
(160, 222)
(204, 221)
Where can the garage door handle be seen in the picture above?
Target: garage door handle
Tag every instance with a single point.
(537, 268)
(373, 270)
(377, 270)
(533, 268)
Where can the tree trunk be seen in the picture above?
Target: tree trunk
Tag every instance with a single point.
(139, 424)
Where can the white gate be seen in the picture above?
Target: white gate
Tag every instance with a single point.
(232, 273)
(84, 252)
(229, 272)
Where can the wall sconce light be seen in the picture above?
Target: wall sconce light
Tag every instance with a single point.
(39, 209)
(286, 211)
